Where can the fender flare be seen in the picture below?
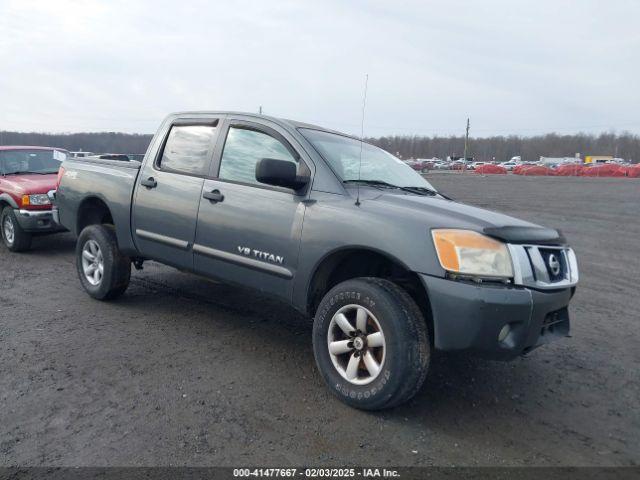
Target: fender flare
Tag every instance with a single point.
(308, 284)
(5, 197)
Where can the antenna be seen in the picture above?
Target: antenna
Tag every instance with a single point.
(364, 103)
(466, 143)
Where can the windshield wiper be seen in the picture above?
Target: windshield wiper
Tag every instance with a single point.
(380, 183)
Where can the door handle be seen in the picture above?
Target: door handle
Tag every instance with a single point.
(149, 182)
(214, 197)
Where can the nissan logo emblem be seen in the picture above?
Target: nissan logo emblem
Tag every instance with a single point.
(554, 264)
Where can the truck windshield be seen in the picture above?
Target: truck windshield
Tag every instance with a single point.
(343, 155)
(30, 161)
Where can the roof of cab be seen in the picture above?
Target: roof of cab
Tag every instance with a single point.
(281, 121)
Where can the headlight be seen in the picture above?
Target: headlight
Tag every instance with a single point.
(470, 253)
(36, 199)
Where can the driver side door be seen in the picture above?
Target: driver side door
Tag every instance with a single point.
(249, 232)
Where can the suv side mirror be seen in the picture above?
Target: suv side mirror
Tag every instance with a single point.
(280, 173)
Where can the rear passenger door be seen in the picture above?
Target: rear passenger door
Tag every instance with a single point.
(169, 190)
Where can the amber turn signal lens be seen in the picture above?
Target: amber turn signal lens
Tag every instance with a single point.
(25, 201)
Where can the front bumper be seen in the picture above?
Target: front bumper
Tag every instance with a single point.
(470, 317)
(35, 221)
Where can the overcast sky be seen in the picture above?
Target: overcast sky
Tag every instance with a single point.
(522, 67)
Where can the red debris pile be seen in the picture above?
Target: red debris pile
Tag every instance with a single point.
(490, 169)
(634, 171)
(533, 170)
(605, 170)
(570, 170)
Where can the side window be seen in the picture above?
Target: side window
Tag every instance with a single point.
(243, 149)
(188, 149)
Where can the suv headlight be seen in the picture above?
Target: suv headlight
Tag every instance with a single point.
(35, 199)
(466, 252)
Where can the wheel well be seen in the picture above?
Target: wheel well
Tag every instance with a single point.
(354, 263)
(93, 211)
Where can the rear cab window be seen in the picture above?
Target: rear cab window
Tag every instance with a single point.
(188, 149)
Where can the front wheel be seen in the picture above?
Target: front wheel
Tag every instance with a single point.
(104, 272)
(13, 236)
(371, 343)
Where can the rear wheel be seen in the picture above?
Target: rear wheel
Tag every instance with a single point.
(103, 271)
(371, 343)
(13, 236)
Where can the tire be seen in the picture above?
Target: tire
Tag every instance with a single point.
(97, 250)
(13, 236)
(403, 358)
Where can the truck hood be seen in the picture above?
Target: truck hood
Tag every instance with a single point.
(442, 213)
(30, 183)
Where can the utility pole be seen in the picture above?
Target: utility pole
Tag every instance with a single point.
(466, 141)
(466, 145)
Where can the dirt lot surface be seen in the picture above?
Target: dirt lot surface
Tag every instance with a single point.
(181, 371)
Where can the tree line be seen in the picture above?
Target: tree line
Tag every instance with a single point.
(501, 148)
(97, 142)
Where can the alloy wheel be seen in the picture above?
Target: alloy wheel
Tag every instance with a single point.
(92, 262)
(356, 344)
(9, 230)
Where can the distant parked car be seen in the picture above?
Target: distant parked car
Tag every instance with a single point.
(454, 158)
(81, 154)
(427, 165)
(419, 165)
(475, 165)
(442, 166)
(111, 156)
(510, 165)
(430, 163)
(27, 182)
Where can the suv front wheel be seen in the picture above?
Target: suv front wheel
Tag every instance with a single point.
(13, 236)
(371, 343)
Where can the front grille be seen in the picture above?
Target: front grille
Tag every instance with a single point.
(555, 262)
(544, 267)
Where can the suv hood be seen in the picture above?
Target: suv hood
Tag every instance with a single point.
(442, 213)
(30, 183)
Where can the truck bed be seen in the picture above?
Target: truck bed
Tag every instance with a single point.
(87, 181)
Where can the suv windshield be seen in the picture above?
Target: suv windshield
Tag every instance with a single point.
(30, 161)
(343, 154)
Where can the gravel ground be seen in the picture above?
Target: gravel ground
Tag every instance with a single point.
(182, 371)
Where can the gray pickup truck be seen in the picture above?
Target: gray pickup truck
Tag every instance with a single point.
(389, 269)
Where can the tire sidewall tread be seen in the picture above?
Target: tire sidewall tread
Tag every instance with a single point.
(22, 239)
(406, 336)
(117, 267)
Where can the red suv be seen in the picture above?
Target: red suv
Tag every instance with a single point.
(28, 178)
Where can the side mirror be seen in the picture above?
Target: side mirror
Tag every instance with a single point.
(280, 173)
